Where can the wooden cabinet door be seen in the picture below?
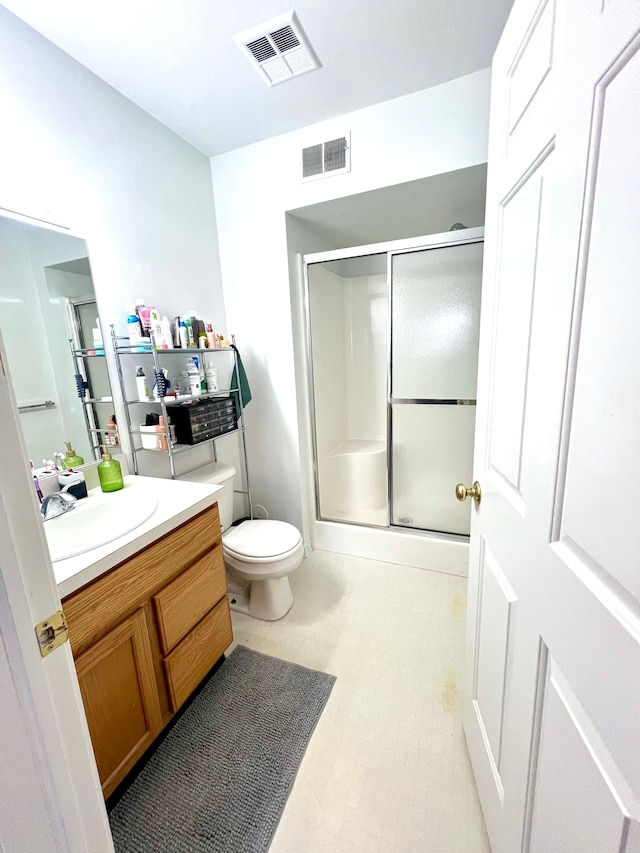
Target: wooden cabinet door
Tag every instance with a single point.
(120, 697)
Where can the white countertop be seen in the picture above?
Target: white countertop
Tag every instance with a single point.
(178, 501)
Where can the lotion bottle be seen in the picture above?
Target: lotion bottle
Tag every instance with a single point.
(109, 472)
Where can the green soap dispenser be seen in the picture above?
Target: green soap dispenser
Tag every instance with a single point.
(71, 459)
(109, 472)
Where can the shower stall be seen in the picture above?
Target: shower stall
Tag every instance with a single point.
(392, 333)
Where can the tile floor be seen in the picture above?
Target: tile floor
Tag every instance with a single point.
(387, 767)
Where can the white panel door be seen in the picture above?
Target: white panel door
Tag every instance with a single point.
(552, 713)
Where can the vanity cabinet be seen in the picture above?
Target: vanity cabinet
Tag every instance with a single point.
(143, 637)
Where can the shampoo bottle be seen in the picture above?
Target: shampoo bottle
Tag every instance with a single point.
(109, 472)
(71, 459)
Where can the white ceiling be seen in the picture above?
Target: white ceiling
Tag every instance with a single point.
(179, 62)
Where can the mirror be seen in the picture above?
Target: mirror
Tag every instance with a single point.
(46, 300)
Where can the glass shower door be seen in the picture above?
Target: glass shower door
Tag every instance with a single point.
(435, 316)
(348, 304)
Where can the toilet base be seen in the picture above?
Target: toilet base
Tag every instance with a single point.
(269, 600)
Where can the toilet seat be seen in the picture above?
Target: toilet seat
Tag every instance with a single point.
(263, 550)
(262, 541)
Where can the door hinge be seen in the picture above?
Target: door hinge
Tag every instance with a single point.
(51, 633)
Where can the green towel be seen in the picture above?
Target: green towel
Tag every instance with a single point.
(243, 386)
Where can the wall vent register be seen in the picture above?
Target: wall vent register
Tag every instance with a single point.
(326, 158)
(278, 49)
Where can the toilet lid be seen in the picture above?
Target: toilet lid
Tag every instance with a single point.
(261, 538)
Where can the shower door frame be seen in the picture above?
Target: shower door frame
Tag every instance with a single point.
(389, 248)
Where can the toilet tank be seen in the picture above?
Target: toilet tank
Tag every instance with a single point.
(220, 474)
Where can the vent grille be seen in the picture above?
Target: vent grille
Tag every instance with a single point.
(335, 154)
(326, 158)
(285, 38)
(312, 161)
(261, 49)
(278, 49)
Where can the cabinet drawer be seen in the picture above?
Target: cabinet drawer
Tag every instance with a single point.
(183, 603)
(192, 659)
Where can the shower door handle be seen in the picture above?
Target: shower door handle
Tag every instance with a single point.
(462, 492)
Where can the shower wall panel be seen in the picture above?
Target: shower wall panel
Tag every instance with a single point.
(365, 329)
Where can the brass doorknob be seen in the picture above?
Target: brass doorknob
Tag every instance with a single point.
(462, 492)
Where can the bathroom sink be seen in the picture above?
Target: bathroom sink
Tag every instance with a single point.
(97, 520)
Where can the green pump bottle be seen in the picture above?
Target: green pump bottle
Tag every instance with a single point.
(109, 472)
(71, 459)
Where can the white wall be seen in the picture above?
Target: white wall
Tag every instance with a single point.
(434, 131)
(73, 146)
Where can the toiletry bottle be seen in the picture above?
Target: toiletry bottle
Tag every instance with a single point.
(146, 312)
(71, 459)
(155, 323)
(183, 335)
(133, 326)
(211, 374)
(191, 341)
(112, 432)
(193, 376)
(109, 472)
(141, 385)
(162, 438)
(211, 336)
(202, 341)
(139, 310)
(166, 336)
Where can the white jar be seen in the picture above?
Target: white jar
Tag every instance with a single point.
(192, 383)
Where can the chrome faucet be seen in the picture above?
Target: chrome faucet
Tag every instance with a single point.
(56, 504)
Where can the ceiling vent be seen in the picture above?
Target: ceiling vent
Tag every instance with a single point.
(332, 157)
(278, 49)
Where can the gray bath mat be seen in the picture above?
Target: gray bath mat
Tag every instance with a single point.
(221, 778)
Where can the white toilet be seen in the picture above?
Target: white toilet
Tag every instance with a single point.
(259, 554)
